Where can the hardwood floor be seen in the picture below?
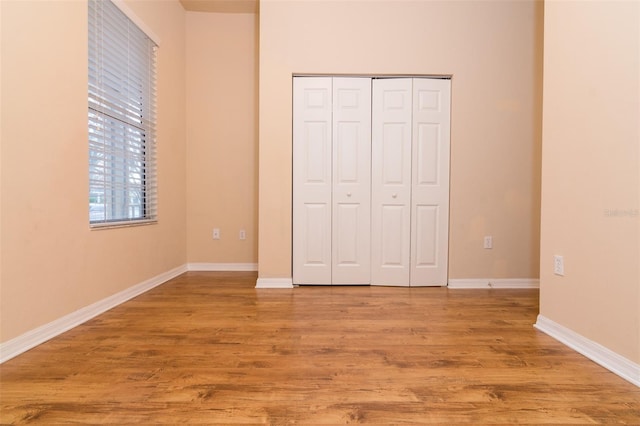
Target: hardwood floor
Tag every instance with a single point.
(210, 348)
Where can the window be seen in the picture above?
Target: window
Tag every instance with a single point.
(122, 171)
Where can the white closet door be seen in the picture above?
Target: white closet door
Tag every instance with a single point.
(351, 225)
(312, 184)
(391, 181)
(430, 182)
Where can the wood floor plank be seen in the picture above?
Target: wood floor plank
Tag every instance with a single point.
(208, 348)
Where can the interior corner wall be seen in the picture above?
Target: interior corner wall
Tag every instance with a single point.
(221, 137)
(52, 262)
(590, 173)
(492, 49)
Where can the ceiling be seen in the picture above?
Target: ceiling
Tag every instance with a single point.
(221, 6)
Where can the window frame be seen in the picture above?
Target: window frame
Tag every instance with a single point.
(122, 98)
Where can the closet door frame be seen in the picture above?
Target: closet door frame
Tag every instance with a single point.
(324, 198)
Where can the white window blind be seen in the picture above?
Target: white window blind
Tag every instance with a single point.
(122, 164)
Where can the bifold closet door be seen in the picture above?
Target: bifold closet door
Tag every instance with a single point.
(391, 182)
(371, 181)
(331, 180)
(351, 225)
(312, 128)
(410, 181)
(430, 182)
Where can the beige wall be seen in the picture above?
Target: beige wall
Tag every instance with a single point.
(52, 263)
(493, 49)
(590, 170)
(222, 137)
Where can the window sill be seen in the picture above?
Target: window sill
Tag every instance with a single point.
(123, 224)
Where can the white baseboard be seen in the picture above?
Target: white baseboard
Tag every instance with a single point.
(32, 338)
(610, 360)
(274, 283)
(222, 267)
(497, 283)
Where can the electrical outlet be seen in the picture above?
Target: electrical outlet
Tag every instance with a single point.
(243, 234)
(558, 265)
(216, 233)
(488, 242)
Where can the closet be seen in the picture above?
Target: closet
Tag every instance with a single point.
(370, 180)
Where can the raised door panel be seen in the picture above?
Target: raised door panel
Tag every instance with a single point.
(391, 181)
(430, 182)
(312, 180)
(351, 181)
